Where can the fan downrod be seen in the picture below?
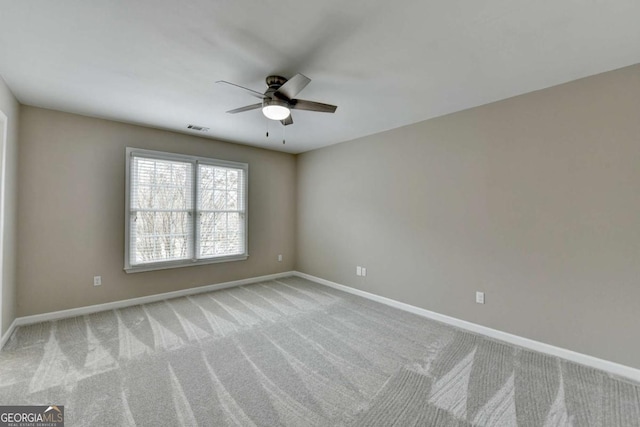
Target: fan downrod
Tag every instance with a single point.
(275, 81)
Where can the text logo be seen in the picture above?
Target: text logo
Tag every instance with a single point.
(32, 416)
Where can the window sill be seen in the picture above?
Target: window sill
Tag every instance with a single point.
(182, 263)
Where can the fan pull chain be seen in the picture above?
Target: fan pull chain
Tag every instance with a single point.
(284, 128)
(267, 122)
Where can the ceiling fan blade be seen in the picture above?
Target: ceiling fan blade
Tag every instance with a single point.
(247, 108)
(293, 86)
(249, 91)
(287, 121)
(301, 104)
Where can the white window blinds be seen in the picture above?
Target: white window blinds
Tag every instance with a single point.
(184, 210)
(161, 210)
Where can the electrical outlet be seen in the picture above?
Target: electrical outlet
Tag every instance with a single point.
(364, 271)
(358, 271)
(97, 280)
(480, 297)
(280, 258)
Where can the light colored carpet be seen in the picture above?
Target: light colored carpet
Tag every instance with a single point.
(292, 352)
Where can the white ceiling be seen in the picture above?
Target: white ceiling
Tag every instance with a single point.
(384, 63)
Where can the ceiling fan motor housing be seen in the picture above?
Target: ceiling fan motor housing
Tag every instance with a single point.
(274, 101)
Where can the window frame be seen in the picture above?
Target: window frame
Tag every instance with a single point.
(195, 161)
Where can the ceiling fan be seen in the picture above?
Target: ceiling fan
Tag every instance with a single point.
(279, 99)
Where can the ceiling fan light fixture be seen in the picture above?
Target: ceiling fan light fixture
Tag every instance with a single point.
(276, 112)
(275, 109)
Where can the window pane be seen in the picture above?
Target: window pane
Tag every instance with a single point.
(221, 234)
(161, 184)
(207, 242)
(160, 236)
(206, 199)
(220, 180)
(161, 202)
(232, 200)
(232, 179)
(235, 240)
(219, 200)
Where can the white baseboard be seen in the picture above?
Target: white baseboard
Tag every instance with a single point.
(583, 359)
(5, 337)
(81, 311)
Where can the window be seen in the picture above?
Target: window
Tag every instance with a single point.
(183, 210)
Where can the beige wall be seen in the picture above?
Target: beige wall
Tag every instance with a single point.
(534, 200)
(71, 204)
(10, 107)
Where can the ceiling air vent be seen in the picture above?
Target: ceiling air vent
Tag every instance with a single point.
(198, 128)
